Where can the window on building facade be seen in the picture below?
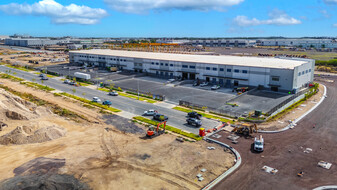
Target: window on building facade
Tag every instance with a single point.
(208, 68)
(302, 72)
(275, 78)
(214, 69)
(299, 73)
(309, 70)
(185, 66)
(306, 71)
(152, 63)
(171, 65)
(192, 67)
(244, 71)
(229, 70)
(166, 64)
(236, 70)
(157, 63)
(221, 69)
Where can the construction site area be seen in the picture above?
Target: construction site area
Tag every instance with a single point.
(32, 59)
(56, 142)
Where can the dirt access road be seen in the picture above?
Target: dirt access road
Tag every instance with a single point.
(284, 151)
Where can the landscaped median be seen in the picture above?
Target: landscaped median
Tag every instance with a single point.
(130, 96)
(88, 102)
(37, 86)
(169, 128)
(206, 115)
(12, 78)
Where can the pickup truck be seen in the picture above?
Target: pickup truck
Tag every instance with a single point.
(194, 121)
(194, 114)
(258, 144)
(160, 117)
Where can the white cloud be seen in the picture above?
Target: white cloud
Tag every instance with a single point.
(59, 14)
(330, 1)
(276, 17)
(334, 25)
(141, 6)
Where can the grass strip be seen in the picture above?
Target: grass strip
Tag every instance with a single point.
(130, 96)
(39, 102)
(37, 86)
(209, 116)
(12, 78)
(19, 68)
(169, 128)
(91, 102)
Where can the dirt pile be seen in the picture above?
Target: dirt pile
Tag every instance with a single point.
(43, 182)
(15, 108)
(32, 134)
(40, 165)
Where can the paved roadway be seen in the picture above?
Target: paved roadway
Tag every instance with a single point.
(284, 151)
(129, 106)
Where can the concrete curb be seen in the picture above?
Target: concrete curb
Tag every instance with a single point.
(230, 170)
(326, 187)
(301, 117)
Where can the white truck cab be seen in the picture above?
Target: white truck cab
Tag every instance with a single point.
(258, 144)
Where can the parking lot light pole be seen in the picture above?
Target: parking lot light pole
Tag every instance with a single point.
(138, 88)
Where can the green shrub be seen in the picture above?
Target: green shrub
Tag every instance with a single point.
(169, 128)
(38, 86)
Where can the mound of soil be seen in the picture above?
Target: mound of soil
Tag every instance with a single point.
(40, 165)
(43, 182)
(32, 134)
(123, 124)
(15, 116)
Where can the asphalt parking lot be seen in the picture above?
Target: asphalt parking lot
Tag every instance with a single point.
(254, 100)
(257, 100)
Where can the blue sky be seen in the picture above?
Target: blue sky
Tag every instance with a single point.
(169, 18)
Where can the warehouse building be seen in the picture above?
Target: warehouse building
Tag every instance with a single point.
(277, 74)
(32, 42)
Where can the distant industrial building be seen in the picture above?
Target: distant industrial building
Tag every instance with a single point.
(223, 43)
(277, 74)
(33, 42)
(302, 43)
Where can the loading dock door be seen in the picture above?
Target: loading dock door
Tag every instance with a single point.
(236, 83)
(228, 83)
(185, 76)
(221, 82)
(274, 88)
(192, 76)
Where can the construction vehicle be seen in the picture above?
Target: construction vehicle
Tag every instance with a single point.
(153, 132)
(245, 129)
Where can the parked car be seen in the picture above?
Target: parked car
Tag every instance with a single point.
(107, 102)
(194, 121)
(66, 81)
(113, 93)
(196, 84)
(72, 83)
(96, 99)
(215, 87)
(204, 84)
(44, 78)
(171, 80)
(150, 112)
(194, 114)
(160, 117)
(42, 75)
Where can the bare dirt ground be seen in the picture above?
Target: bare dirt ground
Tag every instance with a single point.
(102, 156)
(21, 58)
(285, 152)
(283, 121)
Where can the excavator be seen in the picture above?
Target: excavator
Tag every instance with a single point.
(153, 132)
(245, 129)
